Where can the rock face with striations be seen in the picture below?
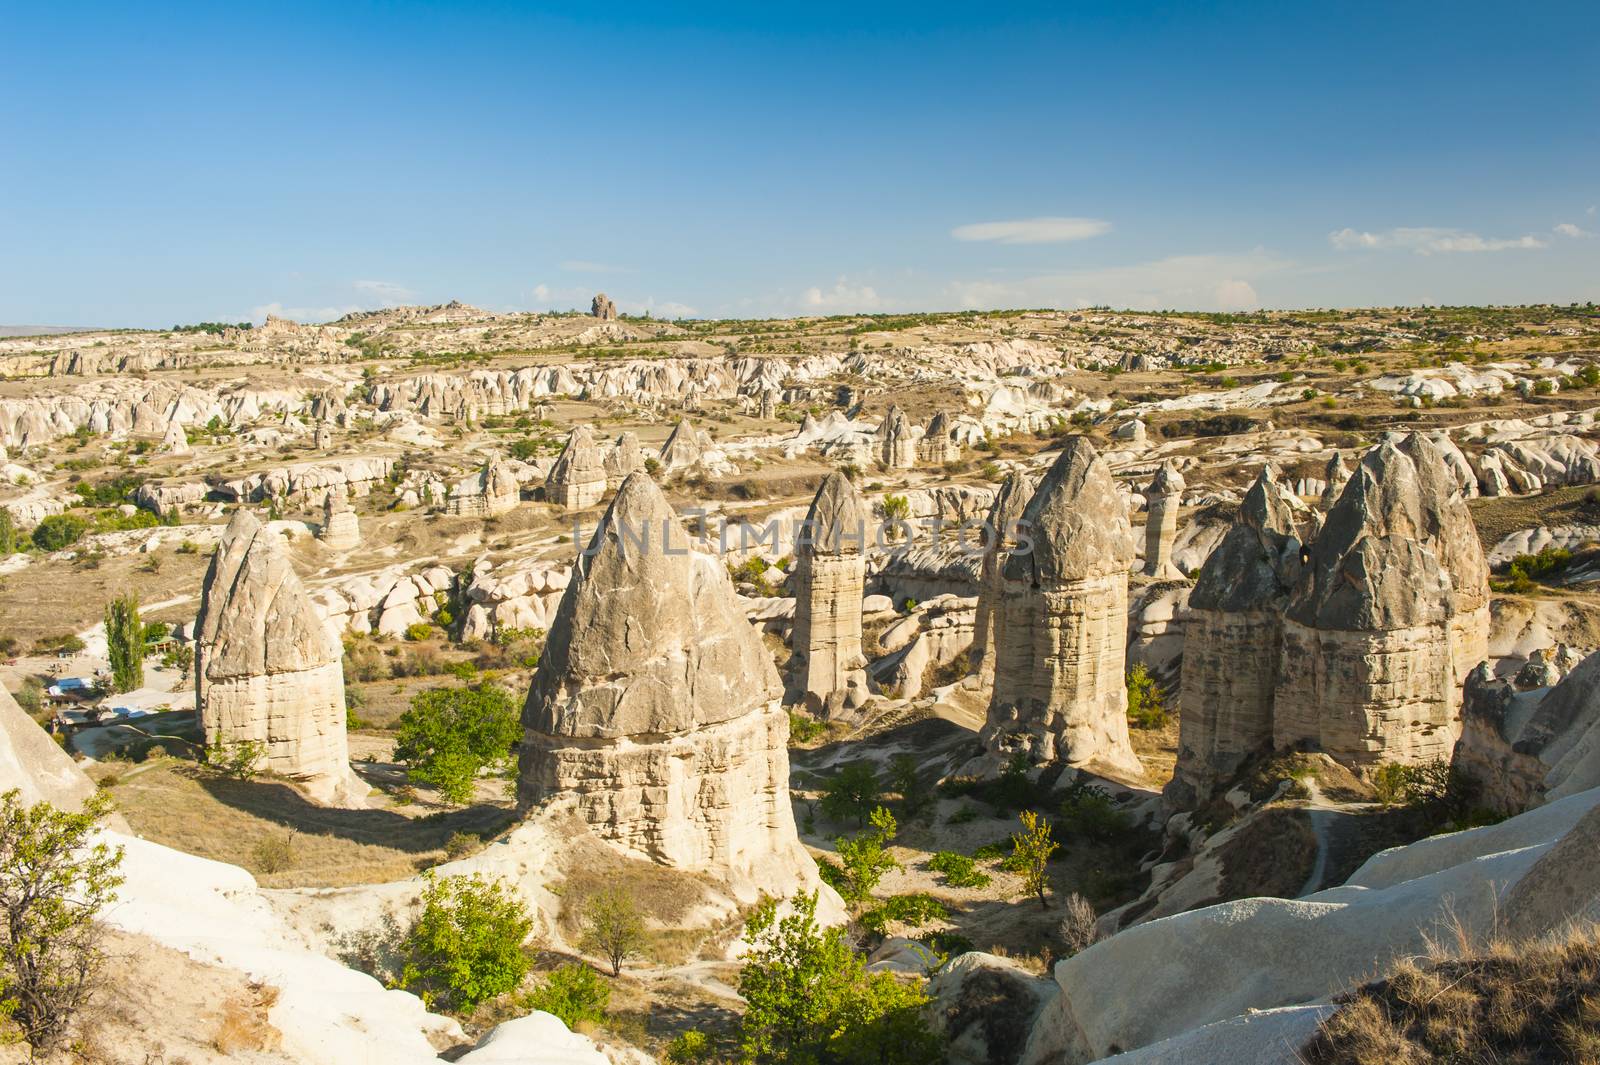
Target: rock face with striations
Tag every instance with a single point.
(1230, 652)
(895, 446)
(578, 477)
(1000, 536)
(830, 573)
(938, 444)
(1366, 672)
(1060, 690)
(1164, 497)
(341, 529)
(655, 708)
(603, 308)
(266, 669)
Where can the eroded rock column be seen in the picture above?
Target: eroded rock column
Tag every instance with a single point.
(830, 574)
(1162, 500)
(266, 669)
(1060, 688)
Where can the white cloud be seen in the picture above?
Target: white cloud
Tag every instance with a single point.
(1236, 295)
(388, 291)
(303, 314)
(1189, 282)
(1033, 230)
(1567, 229)
(843, 296)
(1428, 240)
(658, 308)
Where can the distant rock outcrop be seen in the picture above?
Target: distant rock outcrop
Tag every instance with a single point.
(1163, 498)
(830, 571)
(896, 447)
(267, 671)
(682, 448)
(490, 492)
(578, 477)
(624, 457)
(655, 708)
(938, 444)
(341, 530)
(603, 308)
(1060, 691)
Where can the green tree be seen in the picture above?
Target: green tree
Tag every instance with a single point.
(915, 790)
(466, 945)
(865, 858)
(1031, 851)
(573, 992)
(1146, 710)
(852, 792)
(8, 532)
(54, 880)
(125, 636)
(810, 1001)
(449, 734)
(58, 532)
(613, 927)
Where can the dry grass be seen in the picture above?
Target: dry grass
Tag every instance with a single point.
(173, 803)
(1498, 518)
(1522, 1004)
(244, 1026)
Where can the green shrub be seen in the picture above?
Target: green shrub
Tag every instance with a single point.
(1146, 708)
(958, 869)
(852, 792)
(913, 910)
(1088, 812)
(804, 729)
(690, 1048)
(466, 944)
(865, 859)
(56, 875)
(419, 631)
(809, 998)
(58, 532)
(240, 759)
(574, 992)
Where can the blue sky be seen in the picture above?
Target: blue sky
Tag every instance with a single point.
(171, 163)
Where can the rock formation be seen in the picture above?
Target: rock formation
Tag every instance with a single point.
(1366, 672)
(490, 492)
(769, 404)
(1230, 653)
(938, 444)
(1000, 536)
(830, 571)
(1524, 748)
(1335, 477)
(682, 449)
(603, 308)
(341, 530)
(1060, 690)
(623, 458)
(175, 442)
(895, 446)
(267, 671)
(655, 708)
(1450, 530)
(578, 477)
(1163, 498)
